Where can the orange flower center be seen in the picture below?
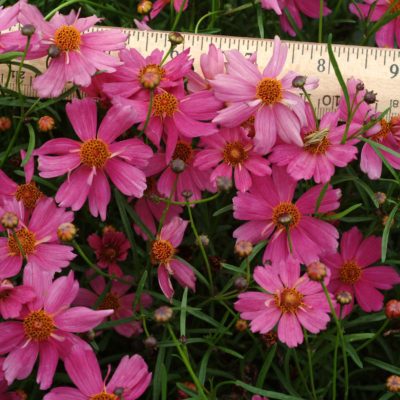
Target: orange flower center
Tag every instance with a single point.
(317, 142)
(94, 153)
(269, 90)
(350, 272)
(396, 5)
(67, 38)
(26, 240)
(385, 130)
(110, 302)
(150, 76)
(38, 325)
(286, 215)
(234, 154)
(162, 251)
(104, 396)
(289, 300)
(164, 105)
(29, 194)
(183, 151)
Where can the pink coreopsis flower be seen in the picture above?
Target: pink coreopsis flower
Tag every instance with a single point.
(289, 300)
(290, 226)
(163, 251)
(96, 156)
(321, 151)
(12, 298)
(351, 271)
(37, 237)
(278, 110)
(140, 74)
(310, 8)
(117, 299)
(374, 10)
(131, 378)
(76, 55)
(45, 329)
(111, 247)
(231, 152)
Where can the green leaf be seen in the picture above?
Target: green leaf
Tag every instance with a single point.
(138, 221)
(164, 381)
(385, 366)
(31, 145)
(203, 366)
(260, 21)
(342, 213)
(381, 146)
(139, 290)
(6, 57)
(321, 197)
(223, 210)
(353, 354)
(183, 310)
(265, 368)
(158, 373)
(266, 393)
(386, 232)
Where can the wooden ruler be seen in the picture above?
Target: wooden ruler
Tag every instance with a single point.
(378, 68)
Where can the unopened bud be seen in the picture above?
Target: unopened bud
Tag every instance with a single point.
(204, 240)
(150, 342)
(241, 283)
(66, 232)
(344, 298)
(243, 248)
(5, 124)
(393, 383)
(370, 97)
(385, 220)
(151, 76)
(392, 309)
(53, 51)
(316, 271)
(175, 38)
(299, 81)
(46, 123)
(163, 314)
(360, 86)
(241, 325)
(144, 7)
(270, 338)
(9, 220)
(380, 197)
(187, 194)
(28, 30)
(108, 229)
(224, 183)
(178, 165)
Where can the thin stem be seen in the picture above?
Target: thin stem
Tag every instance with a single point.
(310, 366)
(183, 203)
(308, 97)
(178, 16)
(169, 202)
(377, 334)
(321, 17)
(334, 371)
(300, 371)
(149, 110)
(21, 65)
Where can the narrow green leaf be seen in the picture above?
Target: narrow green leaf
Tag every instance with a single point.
(6, 57)
(260, 21)
(386, 232)
(157, 376)
(139, 290)
(31, 145)
(321, 197)
(265, 368)
(223, 210)
(267, 393)
(203, 365)
(342, 213)
(385, 366)
(353, 354)
(183, 310)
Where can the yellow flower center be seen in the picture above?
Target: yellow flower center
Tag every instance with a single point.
(104, 396)
(150, 76)
(286, 215)
(350, 272)
(110, 302)
(183, 151)
(234, 154)
(162, 251)
(26, 239)
(29, 194)
(38, 325)
(67, 38)
(317, 142)
(385, 130)
(164, 105)
(289, 300)
(269, 90)
(94, 153)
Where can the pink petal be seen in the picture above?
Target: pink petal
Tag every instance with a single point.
(80, 319)
(289, 330)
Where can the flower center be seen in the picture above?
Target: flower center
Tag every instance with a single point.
(350, 272)
(269, 90)
(286, 215)
(109, 254)
(385, 129)
(29, 194)
(396, 6)
(67, 38)
(110, 302)
(150, 76)
(317, 142)
(162, 251)
(94, 153)
(26, 239)
(104, 396)
(165, 105)
(38, 325)
(234, 154)
(183, 151)
(289, 300)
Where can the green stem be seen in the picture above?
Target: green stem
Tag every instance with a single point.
(377, 334)
(321, 18)
(334, 371)
(178, 16)
(148, 116)
(184, 203)
(308, 97)
(169, 202)
(310, 366)
(300, 371)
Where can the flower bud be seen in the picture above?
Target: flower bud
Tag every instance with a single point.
(46, 123)
(241, 325)
(243, 248)
(5, 124)
(204, 240)
(151, 76)
(380, 197)
(393, 383)
(392, 309)
(163, 314)
(270, 338)
(316, 271)
(9, 220)
(150, 342)
(224, 183)
(360, 86)
(344, 298)
(370, 97)
(241, 283)
(108, 229)
(144, 7)
(53, 51)
(299, 81)
(66, 232)
(28, 30)
(175, 38)
(187, 194)
(178, 165)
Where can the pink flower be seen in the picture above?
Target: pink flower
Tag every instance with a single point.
(131, 376)
(96, 156)
(163, 251)
(374, 10)
(81, 54)
(271, 213)
(116, 299)
(289, 300)
(139, 74)
(231, 151)
(277, 109)
(352, 272)
(45, 329)
(296, 8)
(321, 151)
(12, 298)
(159, 5)
(37, 236)
(113, 246)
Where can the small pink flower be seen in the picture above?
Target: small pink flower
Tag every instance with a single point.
(111, 247)
(163, 251)
(131, 376)
(290, 226)
(321, 151)
(352, 271)
(96, 156)
(374, 10)
(117, 299)
(37, 237)
(289, 300)
(273, 102)
(12, 298)
(231, 151)
(45, 329)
